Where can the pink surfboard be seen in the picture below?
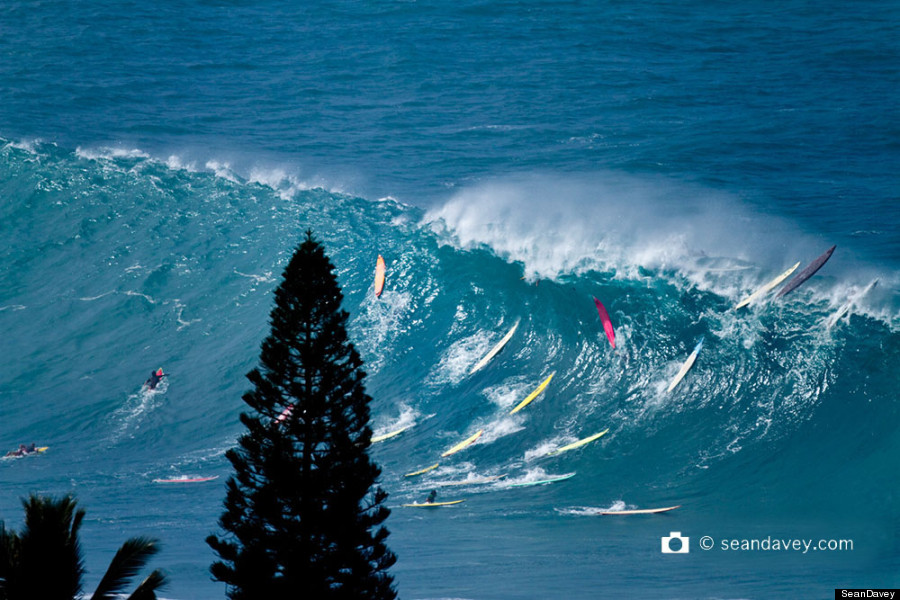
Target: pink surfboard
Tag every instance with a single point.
(607, 324)
(186, 479)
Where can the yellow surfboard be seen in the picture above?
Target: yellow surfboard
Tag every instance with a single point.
(578, 444)
(423, 471)
(387, 436)
(532, 395)
(464, 444)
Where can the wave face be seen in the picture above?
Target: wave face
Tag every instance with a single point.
(118, 263)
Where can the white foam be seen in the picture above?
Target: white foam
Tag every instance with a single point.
(223, 171)
(382, 320)
(499, 428)
(108, 153)
(285, 184)
(592, 511)
(130, 414)
(548, 446)
(407, 418)
(506, 395)
(176, 163)
(266, 277)
(179, 316)
(617, 224)
(140, 295)
(30, 146)
(456, 361)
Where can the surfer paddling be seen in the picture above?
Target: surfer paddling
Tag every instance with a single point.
(22, 450)
(154, 379)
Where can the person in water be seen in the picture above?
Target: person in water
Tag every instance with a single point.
(22, 450)
(431, 497)
(155, 377)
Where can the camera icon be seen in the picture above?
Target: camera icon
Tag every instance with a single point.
(682, 547)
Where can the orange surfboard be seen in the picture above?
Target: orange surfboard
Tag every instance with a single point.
(379, 276)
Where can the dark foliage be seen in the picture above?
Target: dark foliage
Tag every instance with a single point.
(303, 515)
(45, 560)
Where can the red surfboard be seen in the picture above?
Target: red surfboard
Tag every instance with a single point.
(607, 324)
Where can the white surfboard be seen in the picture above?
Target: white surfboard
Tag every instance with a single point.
(686, 366)
(766, 287)
(487, 357)
(640, 511)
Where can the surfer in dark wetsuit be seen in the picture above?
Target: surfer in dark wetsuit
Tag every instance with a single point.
(431, 497)
(155, 378)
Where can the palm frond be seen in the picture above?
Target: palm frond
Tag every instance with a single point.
(49, 544)
(148, 587)
(126, 564)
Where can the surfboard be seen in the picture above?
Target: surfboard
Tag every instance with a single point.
(432, 504)
(532, 395)
(464, 444)
(607, 324)
(806, 273)
(686, 366)
(379, 276)
(487, 357)
(423, 471)
(642, 511)
(762, 290)
(284, 414)
(186, 479)
(578, 444)
(387, 436)
(542, 481)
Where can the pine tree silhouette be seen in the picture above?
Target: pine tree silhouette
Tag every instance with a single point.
(303, 514)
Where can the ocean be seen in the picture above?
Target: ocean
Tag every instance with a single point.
(510, 160)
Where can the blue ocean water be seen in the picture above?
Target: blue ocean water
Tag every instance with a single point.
(510, 160)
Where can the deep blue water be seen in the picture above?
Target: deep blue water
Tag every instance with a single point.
(510, 160)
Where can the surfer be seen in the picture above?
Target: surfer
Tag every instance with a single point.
(284, 415)
(431, 497)
(22, 450)
(154, 379)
